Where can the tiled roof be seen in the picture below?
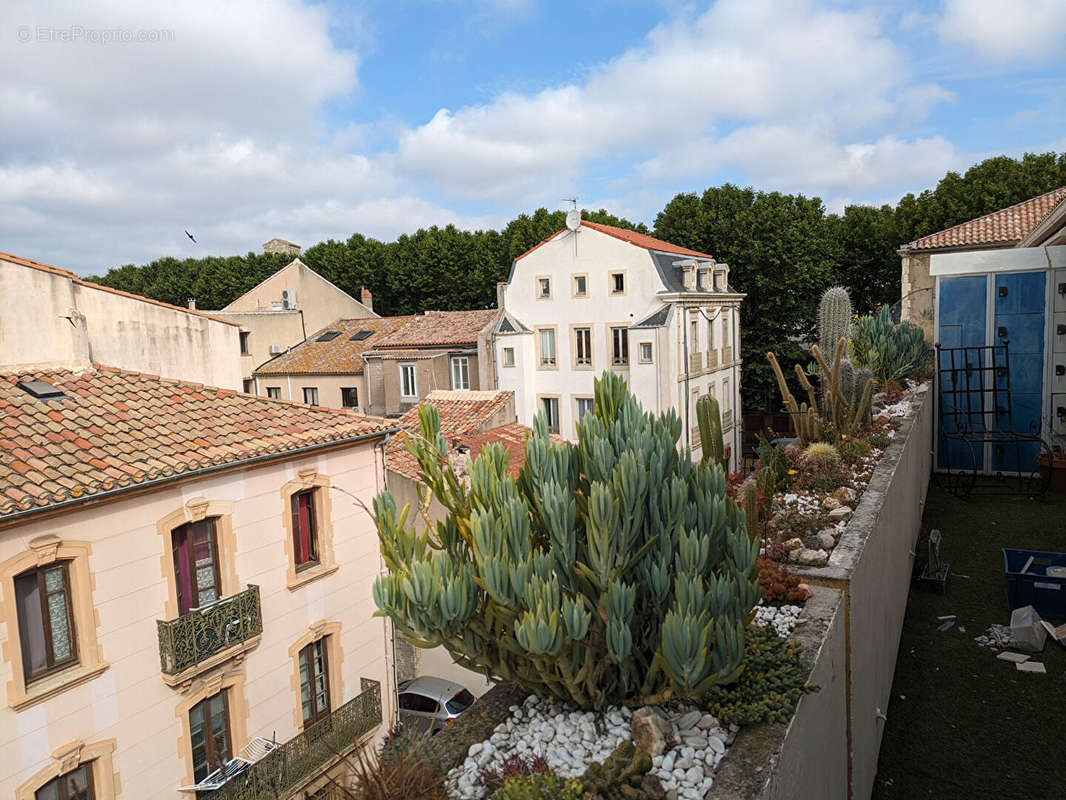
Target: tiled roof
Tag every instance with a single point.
(27, 262)
(115, 429)
(339, 356)
(462, 413)
(1004, 227)
(440, 328)
(639, 239)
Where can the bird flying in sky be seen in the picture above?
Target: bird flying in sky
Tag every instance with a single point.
(191, 236)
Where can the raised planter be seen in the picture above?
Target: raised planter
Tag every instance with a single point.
(872, 566)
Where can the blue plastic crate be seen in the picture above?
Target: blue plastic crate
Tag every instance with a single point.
(1034, 587)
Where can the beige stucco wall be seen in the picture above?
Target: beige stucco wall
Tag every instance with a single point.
(265, 329)
(329, 387)
(430, 374)
(316, 304)
(129, 702)
(116, 330)
(918, 291)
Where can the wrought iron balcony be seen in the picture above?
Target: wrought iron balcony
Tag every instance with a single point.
(310, 753)
(195, 637)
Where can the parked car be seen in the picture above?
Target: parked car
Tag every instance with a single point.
(429, 704)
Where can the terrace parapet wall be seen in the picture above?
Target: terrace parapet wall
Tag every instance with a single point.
(872, 567)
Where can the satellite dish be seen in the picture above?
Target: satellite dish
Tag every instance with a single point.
(573, 219)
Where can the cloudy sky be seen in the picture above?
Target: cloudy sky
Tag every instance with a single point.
(123, 123)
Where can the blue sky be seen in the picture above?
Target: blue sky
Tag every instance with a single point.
(309, 120)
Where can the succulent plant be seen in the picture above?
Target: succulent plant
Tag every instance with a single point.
(823, 454)
(892, 352)
(834, 317)
(613, 570)
(710, 421)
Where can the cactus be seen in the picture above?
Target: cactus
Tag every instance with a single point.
(623, 775)
(841, 412)
(834, 317)
(613, 570)
(749, 504)
(822, 454)
(710, 422)
(543, 786)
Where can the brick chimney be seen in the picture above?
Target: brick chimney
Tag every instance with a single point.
(366, 298)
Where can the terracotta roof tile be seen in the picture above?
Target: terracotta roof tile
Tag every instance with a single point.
(339, 356)
(641, 240)
(462, 413)
(1004, 227)
(439, 328)
(149, 438)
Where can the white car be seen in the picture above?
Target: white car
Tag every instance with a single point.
(429, 704)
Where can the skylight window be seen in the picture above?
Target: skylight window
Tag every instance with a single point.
(358, 337)
(328, 336)
(42, 390)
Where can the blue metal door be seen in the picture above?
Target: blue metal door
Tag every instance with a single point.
(1019, 323)
(961, 323)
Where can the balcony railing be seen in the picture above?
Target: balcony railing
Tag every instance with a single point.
(309, 753)
(194, 637)
(712, 359)
(727, 355)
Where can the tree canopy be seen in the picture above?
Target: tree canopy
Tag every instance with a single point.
(783, 251)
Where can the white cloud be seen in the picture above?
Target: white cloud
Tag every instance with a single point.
(1026, 30)
(769, 64)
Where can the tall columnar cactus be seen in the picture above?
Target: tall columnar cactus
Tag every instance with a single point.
(710, 421)
(834, 317)
(609, 571)
(844, 407)
(749, 504)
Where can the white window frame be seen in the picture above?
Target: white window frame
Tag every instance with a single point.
(578, 415)
(640, 352)
(573, 288)
(313, 394)
(545, 361)
(615, 329)
(403, 366)
(618, 273)
(541, 279)
(508, 356)
(578, 362)
(460, 372)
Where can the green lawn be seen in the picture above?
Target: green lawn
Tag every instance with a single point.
(962, 723)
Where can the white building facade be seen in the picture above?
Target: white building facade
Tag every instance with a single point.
(603, 298)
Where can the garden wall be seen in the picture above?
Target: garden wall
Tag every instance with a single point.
(872, 566)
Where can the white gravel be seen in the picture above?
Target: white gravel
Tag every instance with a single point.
(782, 619)
(570, 740)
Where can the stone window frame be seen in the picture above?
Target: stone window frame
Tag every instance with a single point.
(231, 680)
(558, 410)
(539, 295)
(41, 552)
(555, 340)
(610, 328)
(198, 509)
(414, 379)
(331, 632)
(610, 283)
(573, 285)
(504, 360)
(573, 346)
(70, 756)
(640, 352)
(573, 408)
(327, 561)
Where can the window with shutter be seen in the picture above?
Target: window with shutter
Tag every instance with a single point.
(46, 620)
(304, 532)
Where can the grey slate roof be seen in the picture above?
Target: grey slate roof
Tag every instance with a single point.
(656, 320)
